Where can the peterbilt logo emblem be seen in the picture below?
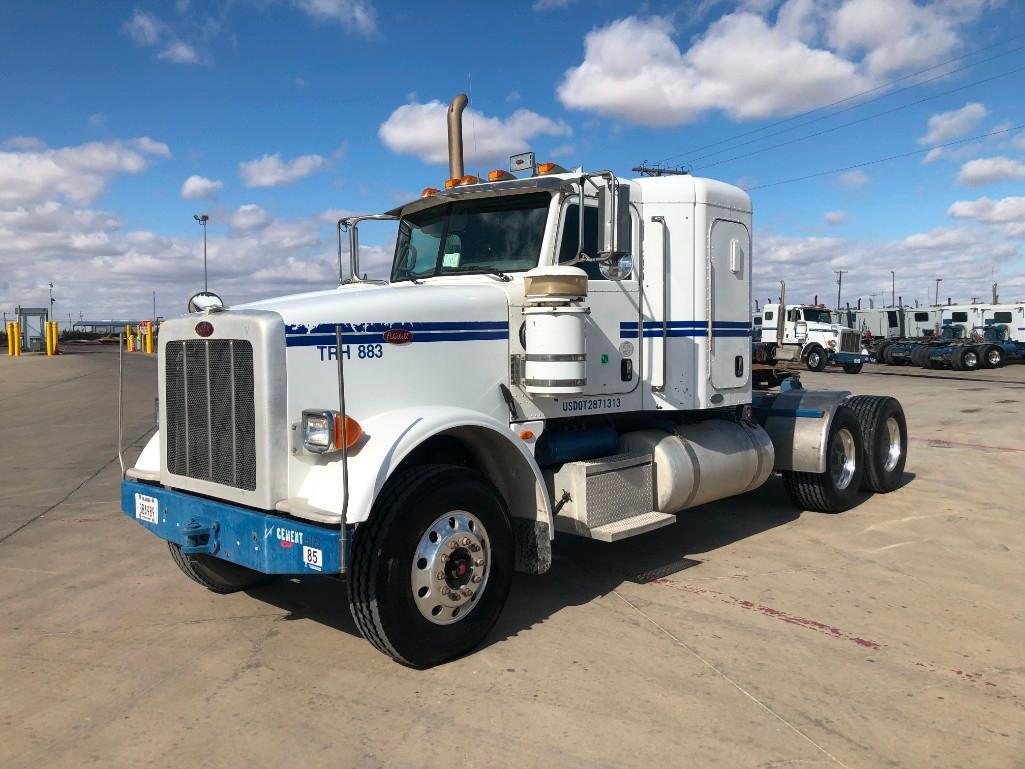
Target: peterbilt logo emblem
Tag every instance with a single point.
(398, 336)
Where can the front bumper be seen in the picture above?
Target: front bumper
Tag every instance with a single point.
(848, 357)
(263, 542)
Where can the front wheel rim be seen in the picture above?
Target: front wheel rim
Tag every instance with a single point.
(813, 359)
(843, 461)
(894, 450)
(450, 568)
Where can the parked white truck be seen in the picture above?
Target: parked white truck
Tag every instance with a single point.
(809, 334)
(522, 371)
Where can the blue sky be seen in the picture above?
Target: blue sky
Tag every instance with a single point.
(122, 120)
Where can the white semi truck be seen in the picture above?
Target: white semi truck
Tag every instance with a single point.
(809, 334)
(523, 370)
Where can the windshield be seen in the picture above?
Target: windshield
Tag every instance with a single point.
(817, 316)
(484, 235)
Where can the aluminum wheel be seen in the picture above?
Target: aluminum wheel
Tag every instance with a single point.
(843, 458)
(450, 567)
(814, 359)
(895, 450)
(970, 360)
(993, 357)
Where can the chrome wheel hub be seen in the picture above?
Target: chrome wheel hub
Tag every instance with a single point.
(993, 357)
(894, 452)
(450, 567)
(842, 459)
(970, 359)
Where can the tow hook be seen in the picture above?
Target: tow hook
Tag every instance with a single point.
(201, 539)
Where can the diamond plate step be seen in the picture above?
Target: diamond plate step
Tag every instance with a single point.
(617, 530)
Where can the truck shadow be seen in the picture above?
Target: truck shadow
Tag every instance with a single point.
(582, 569)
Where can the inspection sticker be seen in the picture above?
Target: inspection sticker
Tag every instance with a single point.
(312, 557)
(147, 509)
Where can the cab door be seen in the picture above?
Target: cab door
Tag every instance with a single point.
(612, 361)
(729, 320)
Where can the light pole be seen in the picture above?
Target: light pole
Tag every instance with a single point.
(51, 300)
(893, 289)
(203, 219)
(938, 281)
(839, 285)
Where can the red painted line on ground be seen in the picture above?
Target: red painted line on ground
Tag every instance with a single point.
(943, 443)
(768, 611)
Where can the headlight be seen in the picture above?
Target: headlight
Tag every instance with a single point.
(325, 431)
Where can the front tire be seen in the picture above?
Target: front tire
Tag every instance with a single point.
(853, 368)
(836, 489)
(816, 359)
(885, 433)
(432, 566)
(216, 574)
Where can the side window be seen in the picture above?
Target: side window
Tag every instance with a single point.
(1002, 317)
(571, 237)
(794, 314)
(959, 317)
(892, 316)
(768, 315)
(921, 316)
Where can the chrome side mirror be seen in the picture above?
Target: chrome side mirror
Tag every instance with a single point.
(614, 219)
(617, 267)
(205, 301)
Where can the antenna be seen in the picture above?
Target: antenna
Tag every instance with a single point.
(657, 170)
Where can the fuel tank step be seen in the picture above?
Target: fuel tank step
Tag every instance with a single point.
(629, 527)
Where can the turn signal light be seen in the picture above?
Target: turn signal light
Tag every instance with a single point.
(428, 191)
(348, 433)
(500, 175)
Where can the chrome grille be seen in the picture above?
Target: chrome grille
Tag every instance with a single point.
(850, 341)
(211, 417)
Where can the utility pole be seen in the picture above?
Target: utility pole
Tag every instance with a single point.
(51, 300)
(938, 281)
(203, 219)
(839, 285)
(893, 289)
(154, 308)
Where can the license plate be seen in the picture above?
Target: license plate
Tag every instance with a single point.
(313, 558)
(147, 508)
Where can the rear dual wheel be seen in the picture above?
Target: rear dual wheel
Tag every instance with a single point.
(884, 431)
(837, 488)
(991, 356)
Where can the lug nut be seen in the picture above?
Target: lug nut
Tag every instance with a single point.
(467, 592)
(475, 548)
(452, 544)
(440, 575)
(477, 578)
(479, 562)
(465, 541)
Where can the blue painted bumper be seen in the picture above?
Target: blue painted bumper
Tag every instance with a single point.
(271, 544)
(847, 357)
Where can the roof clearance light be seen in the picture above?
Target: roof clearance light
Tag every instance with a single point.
(450, 183)
(550, 168)
(500, 175)
(469, 180)
(428, 191)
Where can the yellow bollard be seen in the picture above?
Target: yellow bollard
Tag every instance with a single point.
(149, 339)
(17, 339)
(10, 338)
(49, 338)
(56, 337)
(129, 342)
(53, 337)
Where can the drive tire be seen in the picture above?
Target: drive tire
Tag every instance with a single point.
(991, 356)
(835, 490)
(216, 574)
(815, 359)
(381, 595)
(853, 368)
(880, 354)
(885, 433)
(966, 359)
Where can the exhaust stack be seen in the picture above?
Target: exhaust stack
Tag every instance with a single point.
(455, 136)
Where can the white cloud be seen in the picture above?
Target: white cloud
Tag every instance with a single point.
(179, 52)
(250, 217)
(982, 171)
(939, 239)
(147, 31)
(420, 129)
(540, 6)
(97, 120)
(750, 66)
(199, 187)
(357, 15)
(143, 28)
(990, 211)
(561, 151)
(835, 217)
(78, 174)
(944, 126)
(24, 143)
(852, 180)
(1018, 142)
(272, 171)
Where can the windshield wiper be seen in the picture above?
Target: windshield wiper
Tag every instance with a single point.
(484, 268)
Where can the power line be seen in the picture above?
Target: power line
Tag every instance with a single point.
(885, 159)
(865, 119)
(884, 86)
(862, 104)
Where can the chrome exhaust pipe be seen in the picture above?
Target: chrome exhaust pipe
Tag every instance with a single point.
(455, 136)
